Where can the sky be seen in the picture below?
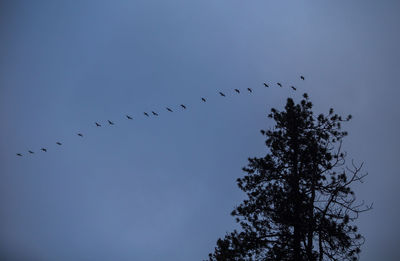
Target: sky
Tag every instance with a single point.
(162, 188)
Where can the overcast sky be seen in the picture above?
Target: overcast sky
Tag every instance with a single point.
(162, 188)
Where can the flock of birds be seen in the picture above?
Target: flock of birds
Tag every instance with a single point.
(183, 106)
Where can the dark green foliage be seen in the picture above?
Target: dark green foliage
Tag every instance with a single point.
(299, 202)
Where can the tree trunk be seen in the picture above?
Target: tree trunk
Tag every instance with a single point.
(321, 251)
(311, 224)
(296, 193)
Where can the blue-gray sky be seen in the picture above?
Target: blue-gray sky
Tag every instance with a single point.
(162, 188)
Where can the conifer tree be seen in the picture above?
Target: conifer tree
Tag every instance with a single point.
(299, 204)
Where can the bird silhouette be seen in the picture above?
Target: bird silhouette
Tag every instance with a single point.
(58, 143)
(98, 124)
(203, 99)
(43, 149)
(19, 154)
(154, 113)
(145, 113)
(280, 85)
(236, 90)
(110, 122)
(249, 89)
(293, 88)
(266, 85)
(80, 134)
(220, 93)
(31, 152)
(129, 117)
(183, 106)
(168, 109)
(302, 77)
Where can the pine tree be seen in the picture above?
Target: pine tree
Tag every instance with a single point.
(299, 202)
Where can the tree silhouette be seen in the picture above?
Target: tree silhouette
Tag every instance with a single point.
(299, 203)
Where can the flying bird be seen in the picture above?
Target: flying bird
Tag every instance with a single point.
(280, 85)
(19, 154)
(168, 109)
(110, 122)
(43, 149)
(249, 89)
(293, 88)
(154, 113)
(59, 143)
(302, 77)
(203, 99)
(145, 113)
(98, 124)
(236, 90)
(129, 117)
(80, 134)
(266, 85)
(183, 106)
(31, 152)
(220, 93)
